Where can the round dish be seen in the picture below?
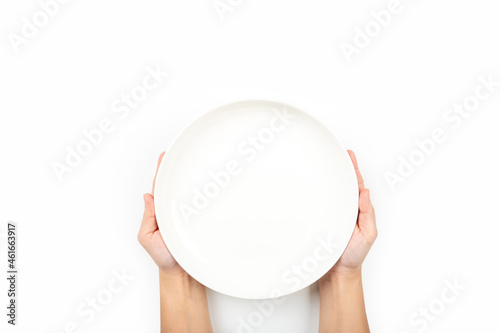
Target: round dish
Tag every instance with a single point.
(256, 199)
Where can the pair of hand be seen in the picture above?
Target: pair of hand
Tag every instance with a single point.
(351, 261)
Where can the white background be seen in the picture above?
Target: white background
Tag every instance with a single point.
(440, 224)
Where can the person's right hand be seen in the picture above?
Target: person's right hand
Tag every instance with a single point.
(364, 234)
(150, 238)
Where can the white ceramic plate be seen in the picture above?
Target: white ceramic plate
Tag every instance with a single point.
(256, 199)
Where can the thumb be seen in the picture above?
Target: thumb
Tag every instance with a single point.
(366, 218)
(148, 224)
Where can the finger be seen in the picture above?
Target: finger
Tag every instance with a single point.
(366, 219)
(157, 168)
(361, 182)
(148, 224)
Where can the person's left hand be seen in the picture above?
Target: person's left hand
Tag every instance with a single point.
(150, 238)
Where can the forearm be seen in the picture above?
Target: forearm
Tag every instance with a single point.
(342, 304)
(184, 306)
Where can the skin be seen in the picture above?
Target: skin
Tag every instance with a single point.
(341, 289)
(183, 300)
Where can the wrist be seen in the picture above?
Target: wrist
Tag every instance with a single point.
(337, 276)
(172, 270)
(173, 274)
(178, 281)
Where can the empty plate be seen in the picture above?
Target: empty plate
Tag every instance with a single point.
(256, 199)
